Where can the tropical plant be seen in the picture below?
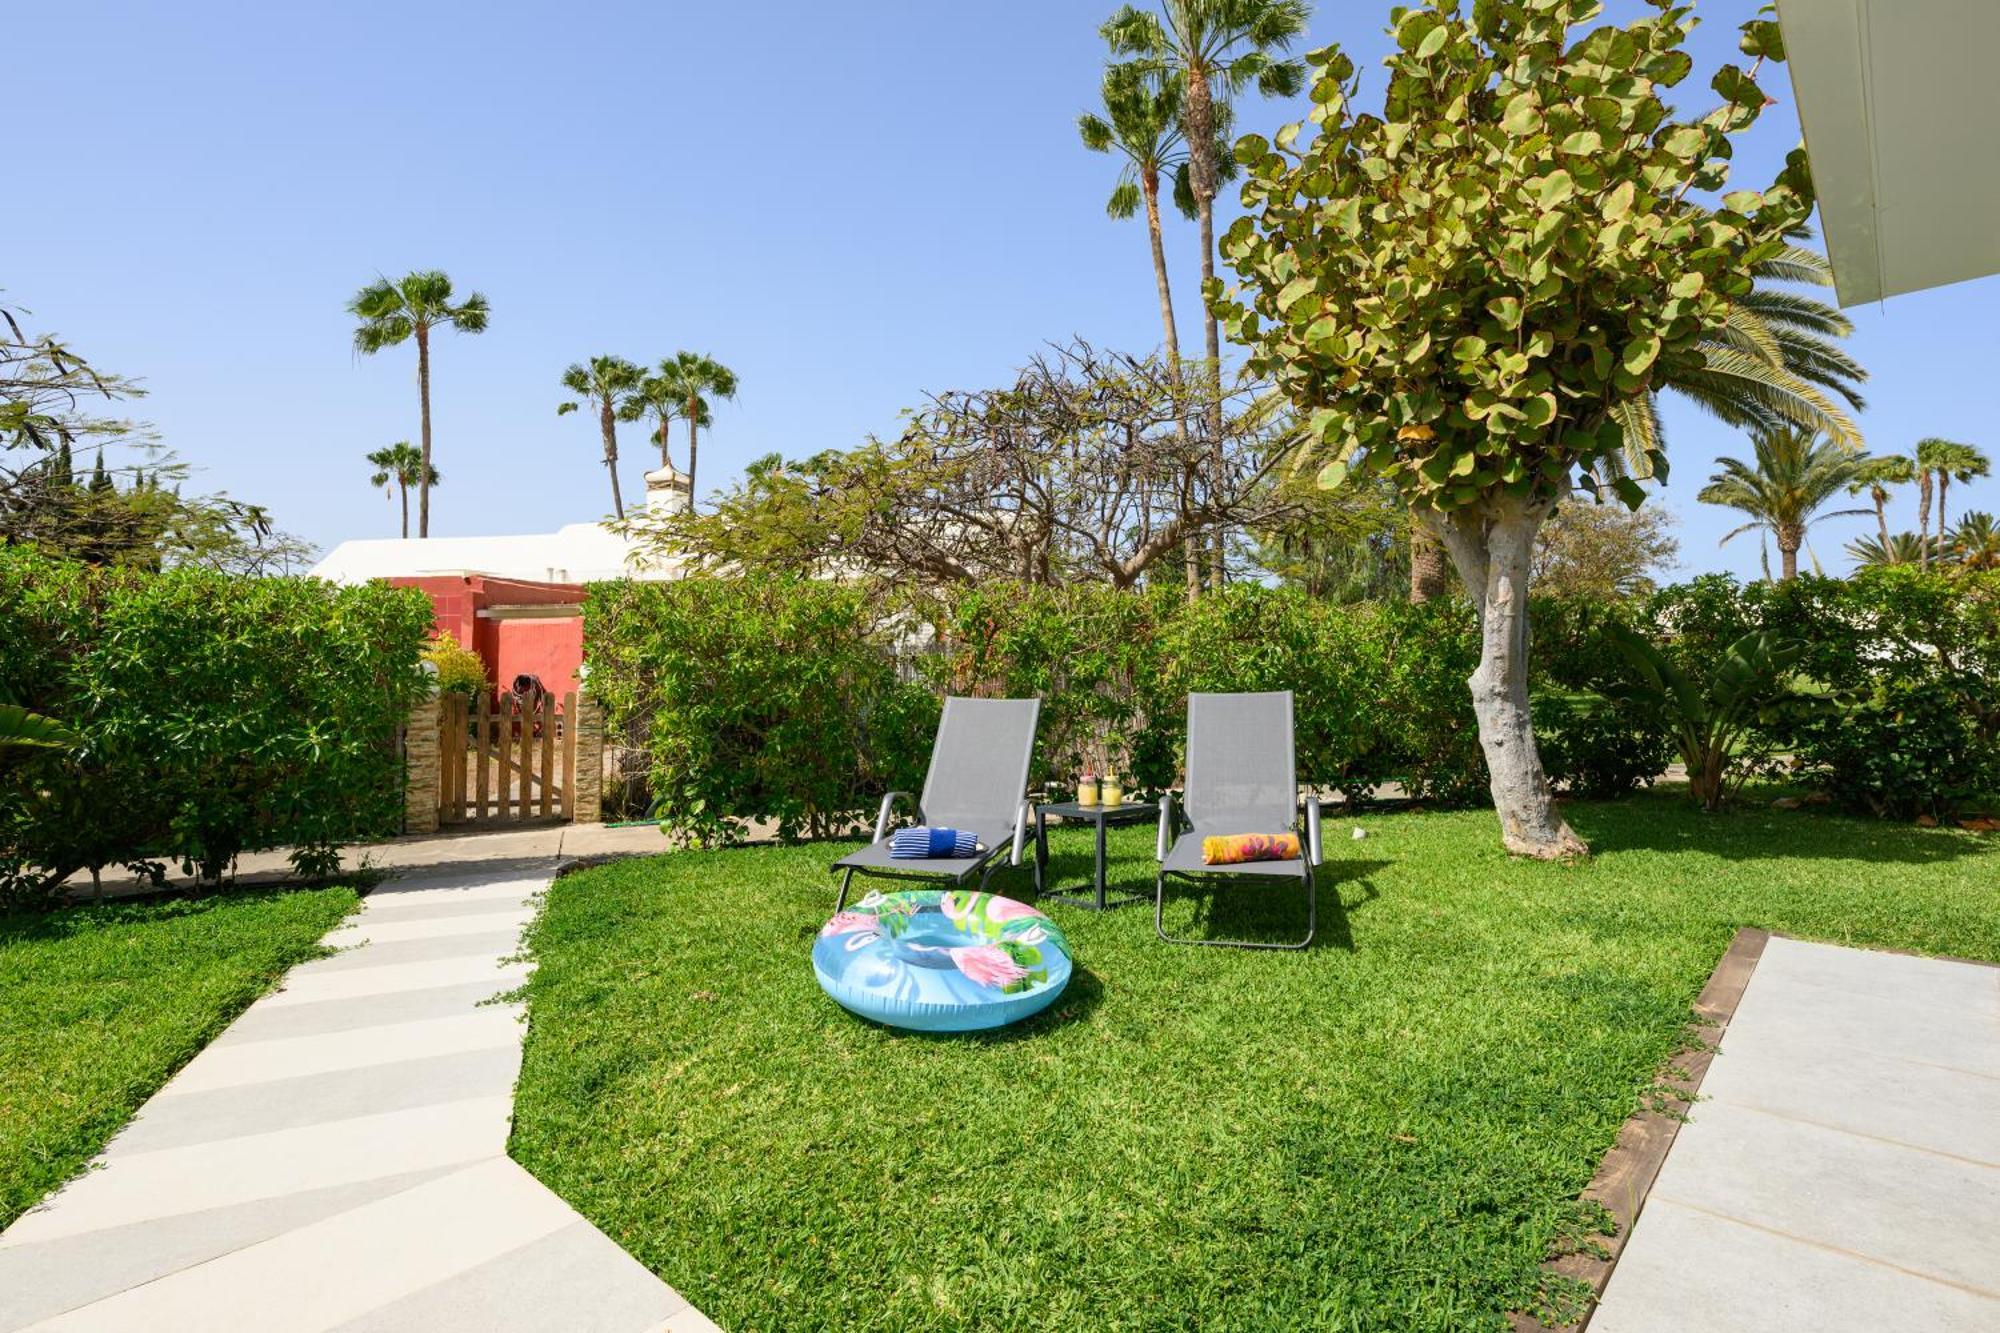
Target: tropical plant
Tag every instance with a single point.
(1902, 548)
(603, 383)
(395, 312)
(1876, 475)
(660, 398)
(1460, 293)
(1141, 123)
(1794, 476)
(1710, 719)
(21, 729)
(401, 466)
(1975, 542)
(696, 378)
(1213, 50)
(459, 669)
(1943, 462)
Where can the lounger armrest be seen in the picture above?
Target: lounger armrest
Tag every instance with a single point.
(1166, 839)
(882, 816)
(1020, 831)
(1315, 853)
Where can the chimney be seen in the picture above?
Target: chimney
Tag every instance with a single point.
(668, 492)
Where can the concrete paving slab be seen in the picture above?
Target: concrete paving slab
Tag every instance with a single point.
(1685, 1271)
(1839, 1172)
(338, 1157)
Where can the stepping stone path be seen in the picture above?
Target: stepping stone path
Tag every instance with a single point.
(337, 1159)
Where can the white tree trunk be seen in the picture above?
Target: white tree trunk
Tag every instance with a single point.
(1492, 546)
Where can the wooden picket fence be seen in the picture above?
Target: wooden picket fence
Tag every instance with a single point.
(507, 762)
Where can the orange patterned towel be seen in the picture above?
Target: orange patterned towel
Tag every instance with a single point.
(1237, 848)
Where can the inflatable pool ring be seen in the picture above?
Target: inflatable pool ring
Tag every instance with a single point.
(942, 960)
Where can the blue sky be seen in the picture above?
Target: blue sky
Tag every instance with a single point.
(849, 204)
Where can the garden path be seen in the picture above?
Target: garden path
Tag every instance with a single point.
(337, 1159)
(1842, 1168)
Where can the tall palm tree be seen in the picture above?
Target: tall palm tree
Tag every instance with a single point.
(1975, 542)
(603, 383)
(1794, 476)
(401, 466)
(659, 398)
(393, 313)
(1876, 475)
(696, 378)
(1946, 461)
(1214, 49)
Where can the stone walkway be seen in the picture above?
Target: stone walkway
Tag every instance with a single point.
(337, 1158)
(1842, 1168)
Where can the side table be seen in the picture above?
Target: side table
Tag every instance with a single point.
(1131, 812)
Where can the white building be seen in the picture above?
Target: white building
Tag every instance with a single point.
(573, 553)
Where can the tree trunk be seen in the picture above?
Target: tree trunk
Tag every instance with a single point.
(1199, 117)
(403, 490)
(424, 397)
(609, 425)
(1493, 548)
(1944, 486)
(1789, 540)
(1149, 183)
(1924, 517)
(1881, 498)
(694, 411)
(665, 460)
(1430, 567)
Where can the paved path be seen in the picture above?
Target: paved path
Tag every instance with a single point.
(337, 1158)
(1842, 1169)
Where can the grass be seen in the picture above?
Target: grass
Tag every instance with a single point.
(100, 1004)
(1386, 1132)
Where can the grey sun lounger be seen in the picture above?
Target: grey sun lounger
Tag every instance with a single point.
(1241, 778)
(978, 781)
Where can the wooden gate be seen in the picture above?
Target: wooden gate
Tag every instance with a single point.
(510, 761)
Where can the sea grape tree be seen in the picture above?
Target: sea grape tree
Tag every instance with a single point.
(1456, 294)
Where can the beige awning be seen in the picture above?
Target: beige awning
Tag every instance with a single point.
(1900, 100)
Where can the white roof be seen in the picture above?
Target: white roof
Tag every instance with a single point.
(1899, 105)
(576, 553)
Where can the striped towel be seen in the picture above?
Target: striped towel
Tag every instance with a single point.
(923, 844)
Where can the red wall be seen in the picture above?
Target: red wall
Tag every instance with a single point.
(551, 648)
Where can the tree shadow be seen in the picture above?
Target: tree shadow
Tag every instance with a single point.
(1751, 834)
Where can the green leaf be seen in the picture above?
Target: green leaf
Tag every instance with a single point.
(1433, 42)
(1556, 188)
(1469, 348)
(1619, 202)
(1583, 142)
(1522, 117)
(1630, 491)
(1332, 475)
(1640, 353)
(1347, 215)
(1295, 291)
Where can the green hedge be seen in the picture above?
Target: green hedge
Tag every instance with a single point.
(218, 714)
(803, 701)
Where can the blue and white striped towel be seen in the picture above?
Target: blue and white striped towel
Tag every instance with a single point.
(923, 844)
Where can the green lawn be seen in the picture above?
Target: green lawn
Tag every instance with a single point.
(99, 1005)
(1386, 1132)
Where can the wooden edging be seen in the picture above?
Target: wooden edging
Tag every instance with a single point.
(1626, 1174)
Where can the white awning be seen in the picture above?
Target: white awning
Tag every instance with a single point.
(1900, 101)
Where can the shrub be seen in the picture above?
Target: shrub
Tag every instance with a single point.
(774, 698)
(459, 669)
(217, 714)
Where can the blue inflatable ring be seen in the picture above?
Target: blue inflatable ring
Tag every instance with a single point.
(942, 960)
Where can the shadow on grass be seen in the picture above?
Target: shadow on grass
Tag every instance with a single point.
(41, 924)
(1259, 909)
(1748, 833)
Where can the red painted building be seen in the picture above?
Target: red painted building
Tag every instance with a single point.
(517, 626)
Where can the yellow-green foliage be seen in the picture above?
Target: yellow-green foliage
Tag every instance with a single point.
(458, 667)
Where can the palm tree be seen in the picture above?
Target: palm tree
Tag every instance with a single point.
(1975, 542)
(659, 398)
(394, 312)
(402, 466)
(695, 377)
(1946, 461)
(603, 384)
(1794, 476)
(1904, 548)
(1876, 475)
(1214, 49)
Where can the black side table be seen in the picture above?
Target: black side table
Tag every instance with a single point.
(1132, 812)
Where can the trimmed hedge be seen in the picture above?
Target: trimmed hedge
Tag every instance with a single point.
(219, 714)
(802, 702)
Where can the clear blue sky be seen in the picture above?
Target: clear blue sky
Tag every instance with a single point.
(849, 204)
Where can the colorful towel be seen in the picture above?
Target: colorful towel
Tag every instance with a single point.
(924, 844)
(1236, 848)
